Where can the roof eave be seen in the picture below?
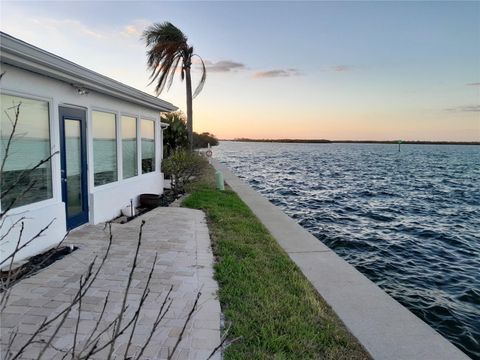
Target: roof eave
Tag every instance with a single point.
(23, 55)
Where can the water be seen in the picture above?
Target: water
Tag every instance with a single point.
(409, 221)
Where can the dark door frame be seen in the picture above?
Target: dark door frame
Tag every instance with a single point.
(69, 113)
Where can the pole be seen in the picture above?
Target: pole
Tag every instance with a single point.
(219, 181)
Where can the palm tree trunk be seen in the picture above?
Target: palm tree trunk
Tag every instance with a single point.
(188, 80)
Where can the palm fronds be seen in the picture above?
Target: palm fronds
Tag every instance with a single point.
(168, 53)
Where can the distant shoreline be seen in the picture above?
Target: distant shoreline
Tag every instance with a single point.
(325, 141)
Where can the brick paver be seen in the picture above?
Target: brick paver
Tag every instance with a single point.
(184, 259)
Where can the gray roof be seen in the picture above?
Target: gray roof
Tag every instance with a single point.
(26, 56)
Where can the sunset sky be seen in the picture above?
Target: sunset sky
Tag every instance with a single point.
(343, 70)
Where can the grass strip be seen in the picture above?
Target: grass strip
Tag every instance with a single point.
(270, 304)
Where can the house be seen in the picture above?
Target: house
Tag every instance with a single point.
(98, 143)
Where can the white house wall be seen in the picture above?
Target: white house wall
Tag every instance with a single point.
(35, 217)
(106, 201)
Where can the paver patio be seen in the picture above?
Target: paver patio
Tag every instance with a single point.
(181, 240)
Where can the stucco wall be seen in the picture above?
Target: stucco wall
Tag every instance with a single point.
(105, 202)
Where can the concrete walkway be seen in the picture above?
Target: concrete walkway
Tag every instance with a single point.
(385, 328)
(181, 239)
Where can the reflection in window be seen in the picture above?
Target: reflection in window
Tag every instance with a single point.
(30, 144)
(148, 146)
(73, 155)
(129, 146)
(104, 147)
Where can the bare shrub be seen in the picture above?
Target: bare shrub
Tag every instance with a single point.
(183, 166)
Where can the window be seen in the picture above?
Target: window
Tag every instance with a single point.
(104, 147)
(129, 146)
(23, 180)
(148, 146)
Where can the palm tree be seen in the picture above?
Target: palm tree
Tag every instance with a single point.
(168, 52)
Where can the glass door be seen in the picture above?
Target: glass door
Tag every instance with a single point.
(74, 166)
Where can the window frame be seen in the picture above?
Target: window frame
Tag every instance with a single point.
(54, 151)
(147, 118)
(138, 148)
(117, 147)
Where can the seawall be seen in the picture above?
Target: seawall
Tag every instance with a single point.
(385, 328)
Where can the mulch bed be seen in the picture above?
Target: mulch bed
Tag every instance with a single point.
(167, 198)
(33, 265)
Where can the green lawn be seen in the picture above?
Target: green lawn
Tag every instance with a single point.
(265, 297)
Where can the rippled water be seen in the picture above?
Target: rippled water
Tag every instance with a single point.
(409, 221)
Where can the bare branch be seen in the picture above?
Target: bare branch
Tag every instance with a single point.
(12, 255)
(78, 323)
(50, 255)
(10, 228)
(157, 321)
(97, 337)
(83, 281)
(185, 325)
(45, 323)
(12, 203)
(97, 323)
(122, 331)
(223, 341)
(11, 339)
(20, 176)
(90, 353)
(129, 282)
(143, 294)
(30, 340)
(12, 134)
(122, 323)
(9, 276)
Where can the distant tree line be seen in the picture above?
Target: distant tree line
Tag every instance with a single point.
(301, 141)
(175, 136)
(202, 140)
(324, 141)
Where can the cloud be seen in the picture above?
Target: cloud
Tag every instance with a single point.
(277, 73)
(464, 108)
(131, 30)
(59, 26)
(474, 84)
(223, 66)
(337, 68)
(135, 28)
(341, 68)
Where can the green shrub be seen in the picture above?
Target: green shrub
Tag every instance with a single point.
(183, 166)
(175, 135)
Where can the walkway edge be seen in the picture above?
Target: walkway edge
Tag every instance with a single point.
(385, 328)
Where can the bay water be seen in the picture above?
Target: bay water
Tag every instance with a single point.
(408, 220)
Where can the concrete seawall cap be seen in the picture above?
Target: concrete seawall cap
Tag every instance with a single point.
(385, 328)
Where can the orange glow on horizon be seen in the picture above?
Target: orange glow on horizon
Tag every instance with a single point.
(332, 126)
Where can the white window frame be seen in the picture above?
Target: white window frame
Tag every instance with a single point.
(139, 156)
(155, 139)
(91, 177)
(54, 160)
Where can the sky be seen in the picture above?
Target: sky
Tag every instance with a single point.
(305, 70)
